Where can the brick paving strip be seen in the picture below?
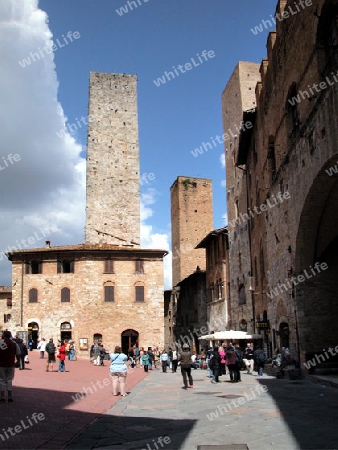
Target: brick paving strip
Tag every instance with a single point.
(51, 393)
(290, 415)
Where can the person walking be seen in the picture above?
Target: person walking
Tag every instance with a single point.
(42, 347)
(62, 357)
(222, 351)
(260, 360)
(238, 362)
(186, 361)
(174, 363)
(248, 359)
(145, 361)
(151, 358)
(230, 362)
(50, 349)
(9, 351)
(164, 360)
(215, 365)
(118, 371)
(23, 352)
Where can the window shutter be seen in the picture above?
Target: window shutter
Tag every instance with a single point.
(5, 318)
(65, 295)
(27, 268)
(33, 295)
(59, 267)
(109, 266)
(71, 266)
(139, 292)
(109, 293)
(40, 267)
(139, 266)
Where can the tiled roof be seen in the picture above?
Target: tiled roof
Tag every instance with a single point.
(206, 239)
(5, 289)
(85, 247)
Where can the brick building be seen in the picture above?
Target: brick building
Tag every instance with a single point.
(238, 96)
(288, 163)
(5, 307)
(216, 247)
(107, 289)
(191, 220)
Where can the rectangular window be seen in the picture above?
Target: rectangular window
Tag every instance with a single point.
(65, 266)
(109, 266)
(33, 267)
(139, 293)
(109, 293)
(65, 295)
(139, 266)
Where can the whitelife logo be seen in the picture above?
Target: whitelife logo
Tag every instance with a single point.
(187, 66)
(48, 49)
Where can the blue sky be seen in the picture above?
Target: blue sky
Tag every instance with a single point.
(174, 118)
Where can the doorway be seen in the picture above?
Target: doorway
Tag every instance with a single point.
(128, 339)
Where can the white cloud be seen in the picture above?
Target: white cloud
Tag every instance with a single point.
(222, 160)
(45, 186)
(225, 219)
(223, 183)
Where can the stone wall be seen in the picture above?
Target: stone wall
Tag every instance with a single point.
(113, 168)
(191, 220)
(88, 312)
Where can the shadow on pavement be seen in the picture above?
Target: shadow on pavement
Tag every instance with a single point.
(308, 409)
(42, 419)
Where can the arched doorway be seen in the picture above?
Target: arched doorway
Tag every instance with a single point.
(317, 259)
(66, 331)
(97, 337)
(284, 335)
(128, 339)
(33, 333)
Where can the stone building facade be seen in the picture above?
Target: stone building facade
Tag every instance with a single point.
(191, 220)
(218, 304)
(113, 166)
(191, 312)
(108, 289)
(238, 96)
(5, 307)
(89, 291)
(290, 160)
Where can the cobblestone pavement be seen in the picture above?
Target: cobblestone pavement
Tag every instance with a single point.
(263, 413)
(63, 415)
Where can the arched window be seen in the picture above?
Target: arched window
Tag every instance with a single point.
(33, 295)
(65, 295)
(243, 326)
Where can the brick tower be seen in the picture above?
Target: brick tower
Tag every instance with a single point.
(113, 174)
(191, 221)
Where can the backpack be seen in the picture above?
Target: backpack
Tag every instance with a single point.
(261, 357)
(238, 356)
(50, 348)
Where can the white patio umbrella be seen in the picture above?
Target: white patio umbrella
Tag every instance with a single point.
(230, 334)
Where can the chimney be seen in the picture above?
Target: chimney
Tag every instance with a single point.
(47, 244)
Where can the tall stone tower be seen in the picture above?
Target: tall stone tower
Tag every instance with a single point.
(191, 221)
(113, 168)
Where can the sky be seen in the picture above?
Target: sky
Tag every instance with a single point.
(48, 49)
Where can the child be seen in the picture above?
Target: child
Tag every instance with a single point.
(145, 361)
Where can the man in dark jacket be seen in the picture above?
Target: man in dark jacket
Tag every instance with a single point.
(9, 350)
(186, 361)
(215, 365)
(260, 360)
